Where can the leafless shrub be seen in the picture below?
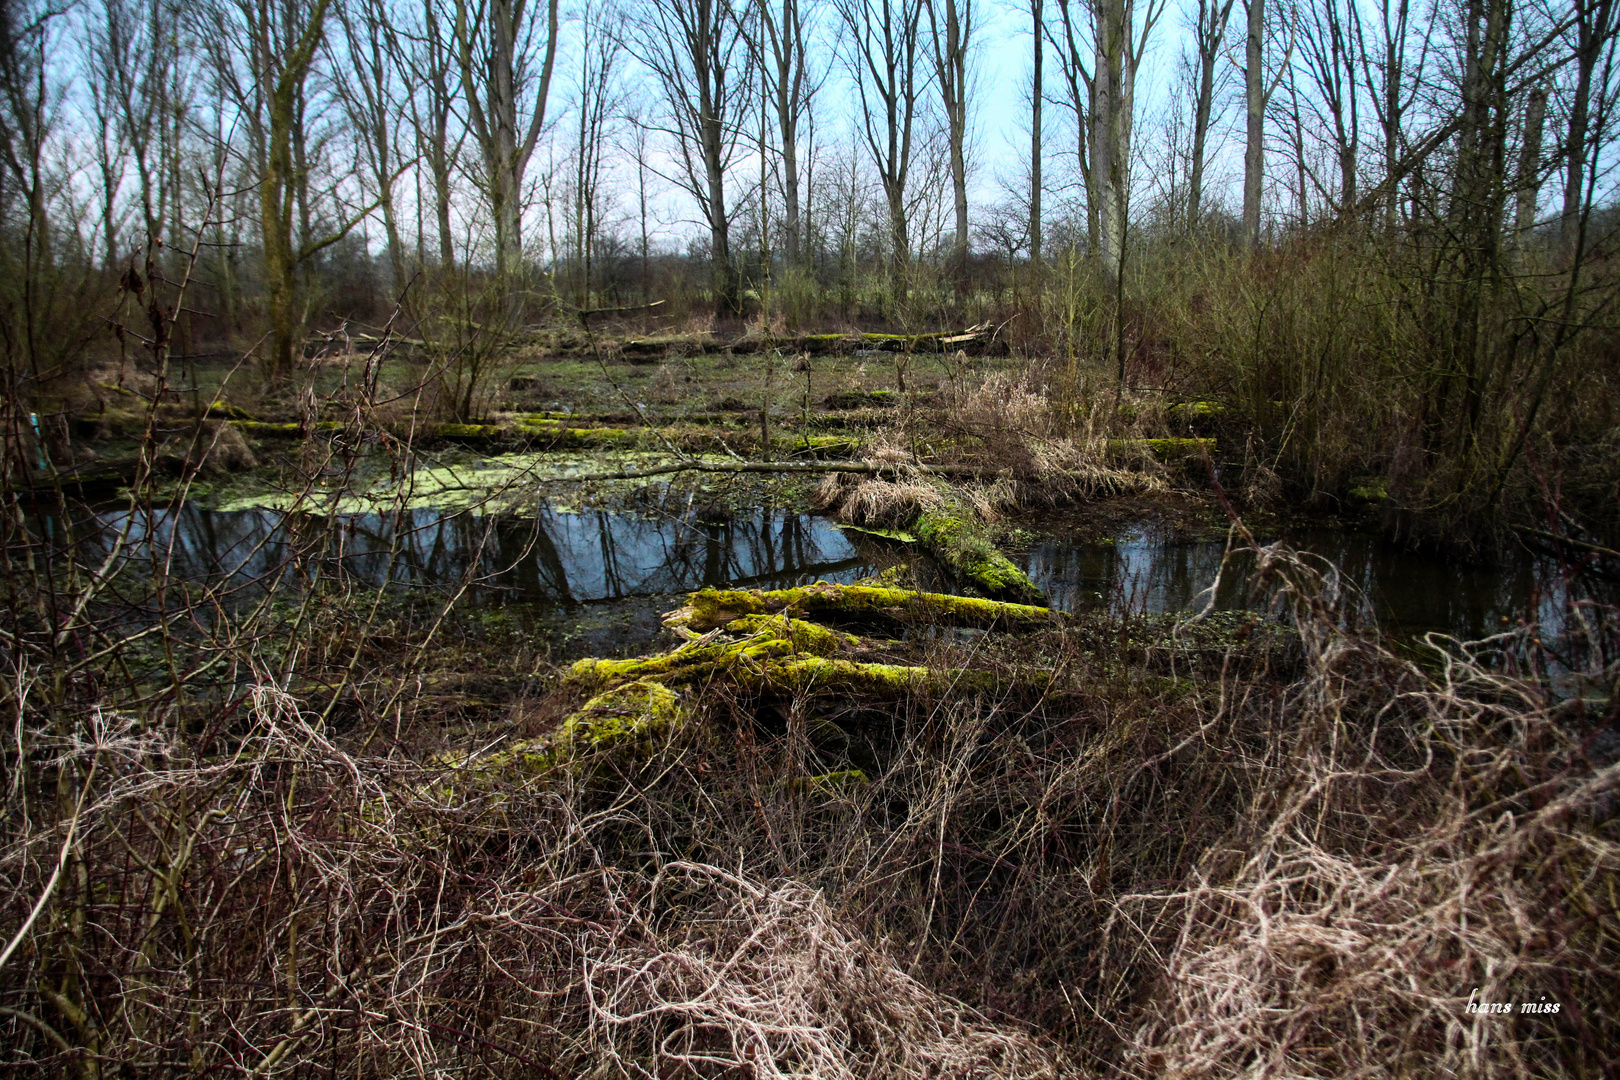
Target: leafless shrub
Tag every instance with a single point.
(1447, 846)
(766, 979)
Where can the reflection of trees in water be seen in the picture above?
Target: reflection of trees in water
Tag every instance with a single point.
(571, 558)
(563, 557)
(1402, 590)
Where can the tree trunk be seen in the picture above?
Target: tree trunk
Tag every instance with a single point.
(1535, 114)
(505, 128)
(1594, 25)
(1035, 140)
(1111, 128)
(950, 38)
(1210, 33)
(1254, 99)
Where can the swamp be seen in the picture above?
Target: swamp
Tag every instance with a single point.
(624, 540)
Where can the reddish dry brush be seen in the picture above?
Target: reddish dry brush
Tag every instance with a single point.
(297, 905)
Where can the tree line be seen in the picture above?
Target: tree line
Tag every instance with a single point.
(828, 147)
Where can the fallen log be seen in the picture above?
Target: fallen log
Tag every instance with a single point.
(709, 609)
(814, 344)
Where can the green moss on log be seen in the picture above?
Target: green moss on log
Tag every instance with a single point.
(957, 543)
(833, 783)
(1195, 410)
(696, 661)
(710, 609)
(805, 636)
(224, 410)
(624, 718)
(465, 433)
(263, 428)
(1163, 449)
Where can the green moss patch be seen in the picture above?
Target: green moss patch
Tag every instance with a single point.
(957, 542)
(709, 609)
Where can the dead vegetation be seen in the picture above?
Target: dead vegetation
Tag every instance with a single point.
(1129, 871)
(237, 843)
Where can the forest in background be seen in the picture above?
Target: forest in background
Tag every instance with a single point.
(275, 806)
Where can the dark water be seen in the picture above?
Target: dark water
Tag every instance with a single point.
(1402, 592)
(592, 582)
(596, 582)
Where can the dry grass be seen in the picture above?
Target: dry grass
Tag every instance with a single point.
(767, 980)
(858, 499)
(1131, 873)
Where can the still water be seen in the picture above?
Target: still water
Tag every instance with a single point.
(597, 581)
(1403, 592)
(590, 583)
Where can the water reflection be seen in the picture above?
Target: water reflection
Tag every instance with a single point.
(599, 579)
(1404, 592)
(560, 558)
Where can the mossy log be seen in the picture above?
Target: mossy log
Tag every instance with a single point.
(776, 667)
(625, 718)
(710, 609)
(224, 410)
(1163, 449)
(830, 785)
(780, 655)
(956, 542)
(972, 337)
(295, 430)
(1190, 411)
(764, 638)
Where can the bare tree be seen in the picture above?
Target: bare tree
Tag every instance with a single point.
(1117, 48)
(1254, 105)
(369, 85)
(1120, 48)
(27, 114)
(1329, 36)
(883, 62)
(263, 56)
(599, 100)
(640, 150)
(698, 49)
(1209, 33)
(950, 24)
(1596, 24)
(1037, 91)
(107, 39)
(497, 42)
(1392, 79)
(1529, 181)
(792, 79)
(137, 51)
(434, 68)
(1070, 43)
(1256, 97)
